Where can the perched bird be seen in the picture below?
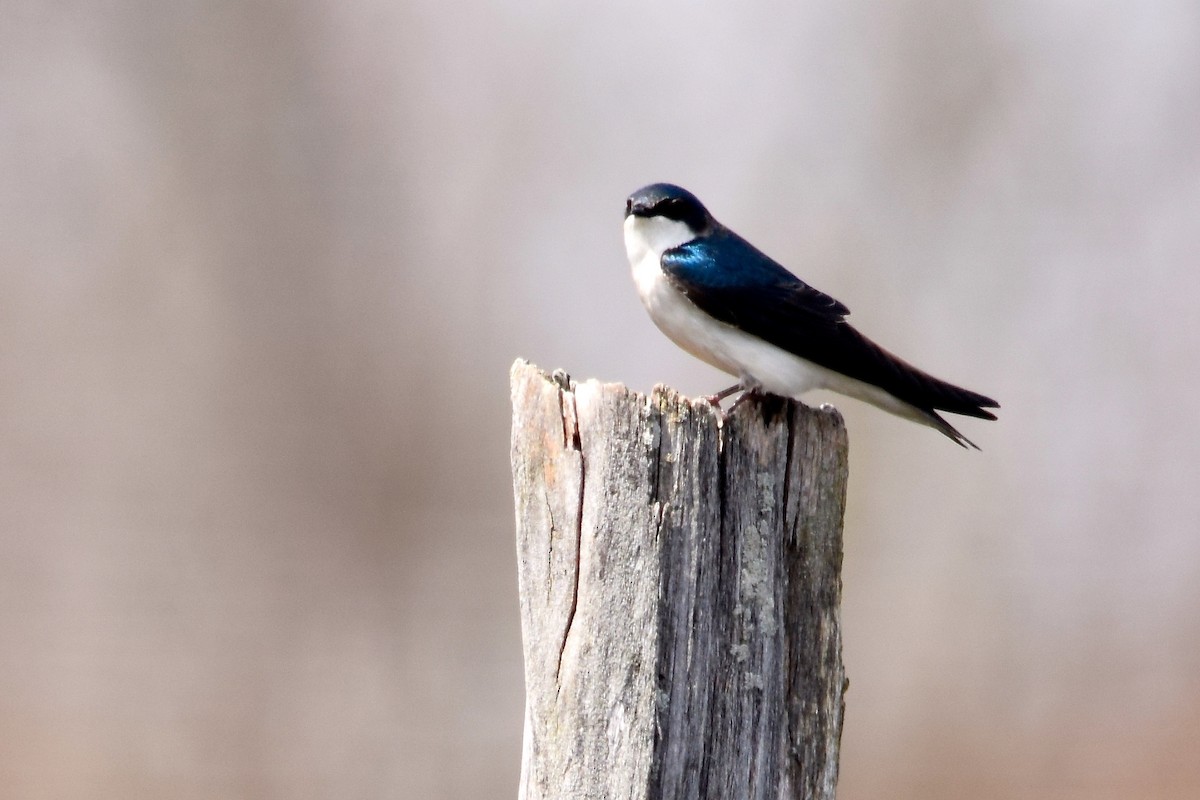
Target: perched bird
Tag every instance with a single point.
(725, 302)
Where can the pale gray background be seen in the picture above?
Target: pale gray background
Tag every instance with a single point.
(263, 269)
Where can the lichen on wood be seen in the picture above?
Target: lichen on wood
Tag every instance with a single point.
(679, 574)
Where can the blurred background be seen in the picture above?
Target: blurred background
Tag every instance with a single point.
(264, 268)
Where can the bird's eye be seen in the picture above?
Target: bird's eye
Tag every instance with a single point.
(680, 210)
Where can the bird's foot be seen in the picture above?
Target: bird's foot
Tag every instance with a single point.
(749, 389)
(715, 399)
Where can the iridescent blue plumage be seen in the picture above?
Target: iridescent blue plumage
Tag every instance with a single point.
(734, 284)
(723, 260)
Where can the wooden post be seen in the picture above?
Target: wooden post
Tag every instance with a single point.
(680, 589)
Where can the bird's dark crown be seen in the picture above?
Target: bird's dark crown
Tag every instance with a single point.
(670, 201)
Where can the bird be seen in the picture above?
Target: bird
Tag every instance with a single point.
(727, 303)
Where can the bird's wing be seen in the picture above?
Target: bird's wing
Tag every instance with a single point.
(733, 282)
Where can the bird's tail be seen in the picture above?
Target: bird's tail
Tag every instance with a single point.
(938, 422)
(923, 393)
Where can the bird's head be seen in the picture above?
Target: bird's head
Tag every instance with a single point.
(661, 216)
(670, 202)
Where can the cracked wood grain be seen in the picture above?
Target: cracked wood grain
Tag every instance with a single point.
(680, 586)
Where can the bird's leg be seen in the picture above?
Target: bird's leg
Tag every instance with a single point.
(716, 399)
(750, 388)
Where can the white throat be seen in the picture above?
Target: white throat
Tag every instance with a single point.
(750, 359)
(650, 236)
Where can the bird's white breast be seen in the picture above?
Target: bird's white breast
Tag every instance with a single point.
(727, 348)
(752, 360)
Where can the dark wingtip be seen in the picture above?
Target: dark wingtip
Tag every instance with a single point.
(957, 400)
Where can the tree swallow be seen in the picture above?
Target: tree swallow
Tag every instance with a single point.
(725, 302)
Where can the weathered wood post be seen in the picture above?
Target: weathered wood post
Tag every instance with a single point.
(680, 588)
